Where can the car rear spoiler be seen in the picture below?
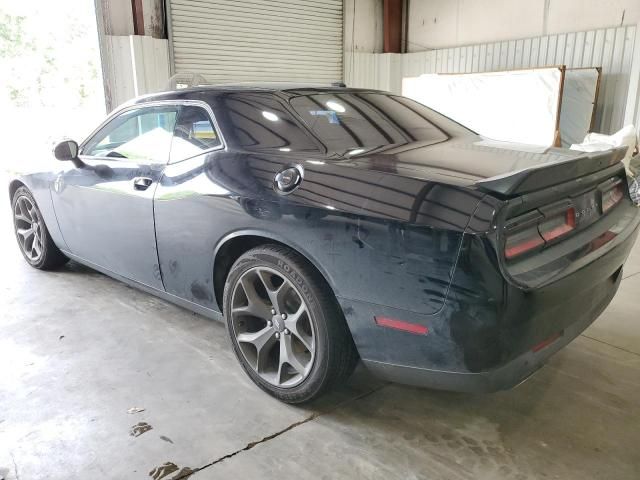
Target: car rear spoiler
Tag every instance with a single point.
(549, 174)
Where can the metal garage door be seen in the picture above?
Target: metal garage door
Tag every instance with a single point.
(266, 40)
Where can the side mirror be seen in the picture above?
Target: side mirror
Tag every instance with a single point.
(67, 150)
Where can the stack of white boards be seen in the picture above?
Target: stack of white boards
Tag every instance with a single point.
(549, 106)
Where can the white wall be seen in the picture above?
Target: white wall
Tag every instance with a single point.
(153, 17)
(574, 15)
(451, 23)
(444, 23)
(117, 17)
(363, 26)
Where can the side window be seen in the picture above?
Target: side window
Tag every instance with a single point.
(194, 133)
(142, 135)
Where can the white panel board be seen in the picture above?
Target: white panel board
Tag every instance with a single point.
(135, 65)
(118, 71)
(150, 61)
(578, 103)
(493, 103)
(632, 107)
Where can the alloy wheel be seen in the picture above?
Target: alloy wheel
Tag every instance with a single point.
(273, 327)
(28, 226)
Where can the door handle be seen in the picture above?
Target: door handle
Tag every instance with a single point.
(142, 183)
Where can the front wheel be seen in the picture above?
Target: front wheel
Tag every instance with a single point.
(34, 240)
(285, 325)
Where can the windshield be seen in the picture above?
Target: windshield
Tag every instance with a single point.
(354, 122)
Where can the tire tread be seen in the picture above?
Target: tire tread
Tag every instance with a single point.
(342, 354)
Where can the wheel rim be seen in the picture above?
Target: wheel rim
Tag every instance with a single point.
(273, 327)
(28, 228)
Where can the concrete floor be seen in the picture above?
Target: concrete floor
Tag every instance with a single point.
(78, 350)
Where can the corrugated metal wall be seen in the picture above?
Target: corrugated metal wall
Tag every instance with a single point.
(616, 50)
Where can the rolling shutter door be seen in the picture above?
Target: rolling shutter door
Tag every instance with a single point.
(268, 40)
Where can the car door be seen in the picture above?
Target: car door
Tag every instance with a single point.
(105, 208)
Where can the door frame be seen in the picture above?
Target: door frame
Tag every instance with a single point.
(157, 103)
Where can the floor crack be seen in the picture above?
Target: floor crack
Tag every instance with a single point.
(15, 466)
(610, 345)
(308, 419)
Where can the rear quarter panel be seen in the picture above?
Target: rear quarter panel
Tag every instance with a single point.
(379, 238)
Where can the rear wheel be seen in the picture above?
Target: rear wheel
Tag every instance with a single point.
(285, 325)
(34, 239)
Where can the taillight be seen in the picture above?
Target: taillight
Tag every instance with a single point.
(522, 236)
(534, 230)
(559, 225)
(548, 224)
(522, 242)
(611, 195)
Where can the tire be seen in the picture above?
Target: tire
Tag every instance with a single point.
(316, 354)
(37, 248)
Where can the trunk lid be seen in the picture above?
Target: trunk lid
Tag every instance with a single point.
(547, 174)
(501, 168)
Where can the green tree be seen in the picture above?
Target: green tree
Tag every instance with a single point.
(48, 63)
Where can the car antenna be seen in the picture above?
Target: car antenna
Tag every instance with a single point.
(338, 84)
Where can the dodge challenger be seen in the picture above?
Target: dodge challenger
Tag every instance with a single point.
(329, 225)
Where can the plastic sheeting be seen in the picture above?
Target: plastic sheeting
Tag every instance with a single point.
(578, 103)
(597, 142)
(515, 106)
(634, 191)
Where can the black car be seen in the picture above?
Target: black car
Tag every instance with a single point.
(328, 225)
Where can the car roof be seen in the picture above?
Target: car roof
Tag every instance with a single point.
(270, 87)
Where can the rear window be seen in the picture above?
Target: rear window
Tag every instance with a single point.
(352, 121)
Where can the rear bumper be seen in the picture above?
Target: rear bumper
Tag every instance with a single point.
(503, 377)
(486, 337)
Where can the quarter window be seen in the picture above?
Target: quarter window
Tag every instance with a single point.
(141, 135)
(258, 121)
(194, 133)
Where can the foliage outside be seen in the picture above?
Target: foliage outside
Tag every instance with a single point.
(50, 77)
